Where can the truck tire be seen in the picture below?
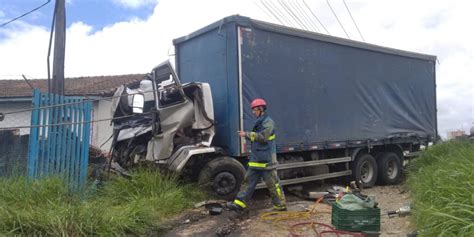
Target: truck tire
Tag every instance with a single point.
(222, 177)
(390, 168)
(364, 168)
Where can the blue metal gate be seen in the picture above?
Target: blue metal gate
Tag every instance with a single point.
(59, 138)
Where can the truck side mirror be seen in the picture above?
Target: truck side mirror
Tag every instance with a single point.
(138, 100)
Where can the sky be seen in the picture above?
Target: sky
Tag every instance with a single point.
(112, 37)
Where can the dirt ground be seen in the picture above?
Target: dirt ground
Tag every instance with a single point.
(198, 222)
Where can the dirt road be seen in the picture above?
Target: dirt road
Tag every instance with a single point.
(198, 222)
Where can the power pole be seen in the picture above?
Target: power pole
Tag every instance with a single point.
(59, 47)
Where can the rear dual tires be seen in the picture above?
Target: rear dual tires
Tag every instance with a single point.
(386, 169)
(222, 177)
(390, 168)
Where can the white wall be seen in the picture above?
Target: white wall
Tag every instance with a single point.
(101, 131)
(17, 119)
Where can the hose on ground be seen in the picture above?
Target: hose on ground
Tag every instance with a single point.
(298, 215)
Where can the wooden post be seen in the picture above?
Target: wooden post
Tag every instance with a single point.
(59, 47)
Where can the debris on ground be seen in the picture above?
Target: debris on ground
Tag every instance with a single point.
(402, 211)
(215, 211)
(187, 221)
(226, 230)
(316, 195)
(262, 221)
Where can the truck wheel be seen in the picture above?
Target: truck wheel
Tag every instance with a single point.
(222, 177)
(364, 168)
(390, 168)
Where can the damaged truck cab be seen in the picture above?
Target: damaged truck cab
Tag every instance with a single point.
(162, 121)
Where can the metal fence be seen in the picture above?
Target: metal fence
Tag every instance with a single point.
(59, 138)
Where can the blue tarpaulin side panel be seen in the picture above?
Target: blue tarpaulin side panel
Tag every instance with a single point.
(320, 91)
(319, 88)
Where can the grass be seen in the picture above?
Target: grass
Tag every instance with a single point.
(442, 185)
(137, 206)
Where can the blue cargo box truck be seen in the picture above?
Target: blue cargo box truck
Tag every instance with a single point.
(341, 107)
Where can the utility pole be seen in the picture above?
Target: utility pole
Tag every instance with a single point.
(59, 47)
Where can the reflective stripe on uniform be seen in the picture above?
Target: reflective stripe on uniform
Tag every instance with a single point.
(257, 165)
(278, 189)
(279, 207)
(253, 136)
(240, 203)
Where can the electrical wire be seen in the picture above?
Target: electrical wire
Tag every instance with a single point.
(280, 13)
(296, 14)
(73, 123)
(266, 13)
(315, 16)
(289, 215)
(285, 216)
(73, 103)
(51, 30)
(278, 217)
(303, 15)
(16, 18)
(334, 13)
(295, 18)
(314, 225)
(293, 228)
(357, 27)
(309, 18)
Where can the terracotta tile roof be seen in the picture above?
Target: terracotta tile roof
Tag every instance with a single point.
(92, 86)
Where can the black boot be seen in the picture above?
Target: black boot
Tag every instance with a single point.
(234, 207)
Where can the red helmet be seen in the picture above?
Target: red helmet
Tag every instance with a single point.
(258, 102)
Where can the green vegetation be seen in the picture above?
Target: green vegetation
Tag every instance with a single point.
(121, 206)
(442, 185)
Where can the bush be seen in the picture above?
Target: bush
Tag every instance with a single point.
(442, 185)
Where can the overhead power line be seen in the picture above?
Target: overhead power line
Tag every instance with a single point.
(344, 1)
(335, 15)
(315, 16)
(278, 12)
(294, 16)
(310, 18)
(304, 15)
(271, 15)
(16, 18)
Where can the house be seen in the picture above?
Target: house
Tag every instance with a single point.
(456, 134)
(16, 95)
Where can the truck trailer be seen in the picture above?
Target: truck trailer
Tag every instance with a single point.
(341, 107)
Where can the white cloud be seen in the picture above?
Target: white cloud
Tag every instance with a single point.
(134, 3)
(23, 50)
(433, 27)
